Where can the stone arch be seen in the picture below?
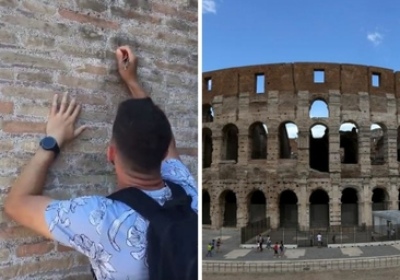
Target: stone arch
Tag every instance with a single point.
(257, 206)
(206, 205)
(319, 147)
(288, 134)
(288, 211)
(349, 207)
(207, 147)
(348, 142)
(379, 144)
(228, 203)
(230, 142)
(319, 209)
(319, 109)
(208, 113)
(380, 199)
(258, 134)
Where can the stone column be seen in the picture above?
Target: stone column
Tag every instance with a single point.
(303, 207)
(241, 212)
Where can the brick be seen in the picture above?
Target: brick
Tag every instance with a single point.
(92, 5)
(16, 59)
(6, 74)
(32, 110)
(97, 116)
(90, 33)
(180, 25)
(82, 259)
(138, 4)
(83, 180)
(35, 77)
(75, 82)
(62, 248)
(41, 248)
(9, 3)
(37, 7)
(27, 92)
(6, 145)
(131, 14)
(37, 266)
(173, 67)
(177, 39)
(97, 70)
(7, 37)
(11, 163)
(6, 107)
(188, 151)
(85, 146)
(31, 23)
(75, 16)
(174, 12)
(23, 127)
(39, 42)
(95, 133)
(82, 52)
(29, 146)
(4, 255)
(15, 232)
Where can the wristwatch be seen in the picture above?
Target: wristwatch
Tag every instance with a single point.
(48, 143)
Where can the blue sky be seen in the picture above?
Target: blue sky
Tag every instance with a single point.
(237, 33)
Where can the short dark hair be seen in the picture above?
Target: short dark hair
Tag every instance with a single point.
(142, 134)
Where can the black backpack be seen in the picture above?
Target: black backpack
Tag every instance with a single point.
(171, 235)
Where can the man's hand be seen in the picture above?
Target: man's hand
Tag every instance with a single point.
(127, 64)
(61, 123)
(127, 68)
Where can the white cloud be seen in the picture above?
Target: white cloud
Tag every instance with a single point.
(209, 6)
(375, 37)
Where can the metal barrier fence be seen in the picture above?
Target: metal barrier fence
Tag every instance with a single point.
(253, 229)
(307, 265)
(342, 235)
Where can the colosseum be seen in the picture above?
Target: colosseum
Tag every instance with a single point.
(304, 145)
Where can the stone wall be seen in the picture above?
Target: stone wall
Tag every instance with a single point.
(289, 92)
(49, 47)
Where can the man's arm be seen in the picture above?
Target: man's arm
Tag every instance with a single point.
(128, 73)
(25, 202)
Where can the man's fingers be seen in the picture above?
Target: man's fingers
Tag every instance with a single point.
(54, 105)
(79, 130)
(64, 101)
(71, 106)
(75, 112)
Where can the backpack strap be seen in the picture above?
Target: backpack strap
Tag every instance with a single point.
(137, 200)
(147, 206)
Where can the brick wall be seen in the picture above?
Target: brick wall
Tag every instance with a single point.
(48, 47)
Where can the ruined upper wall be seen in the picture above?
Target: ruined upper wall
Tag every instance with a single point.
(294, 77)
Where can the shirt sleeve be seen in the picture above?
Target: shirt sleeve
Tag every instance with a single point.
(77, 222)
(175, 171)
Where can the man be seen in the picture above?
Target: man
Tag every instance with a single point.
(319, 239)
(144, 154)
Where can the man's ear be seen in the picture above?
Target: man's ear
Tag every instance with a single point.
(111, 153)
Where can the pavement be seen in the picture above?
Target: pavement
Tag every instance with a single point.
(231, 250)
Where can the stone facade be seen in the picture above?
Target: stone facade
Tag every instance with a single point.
(302, 182)
(52, 47)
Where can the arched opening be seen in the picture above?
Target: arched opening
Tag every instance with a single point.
(230, 142)
(288, 134)
(319, 109)
(228, 201)
(206, 216)
(349, 207)
(378, 144)
(379, 200)
(319, 209)
(319, 148)
(348, 143)
(398, 144)
(257, 206)
(258, 140)
(288, 209)
(207, 147)
(208, 113)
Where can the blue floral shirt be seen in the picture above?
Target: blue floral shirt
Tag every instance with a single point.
(110, 233)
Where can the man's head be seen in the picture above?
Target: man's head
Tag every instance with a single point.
(140, 137)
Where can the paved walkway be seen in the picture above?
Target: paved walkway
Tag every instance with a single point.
(230, 250)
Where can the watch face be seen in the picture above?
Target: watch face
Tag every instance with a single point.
(48, 143)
